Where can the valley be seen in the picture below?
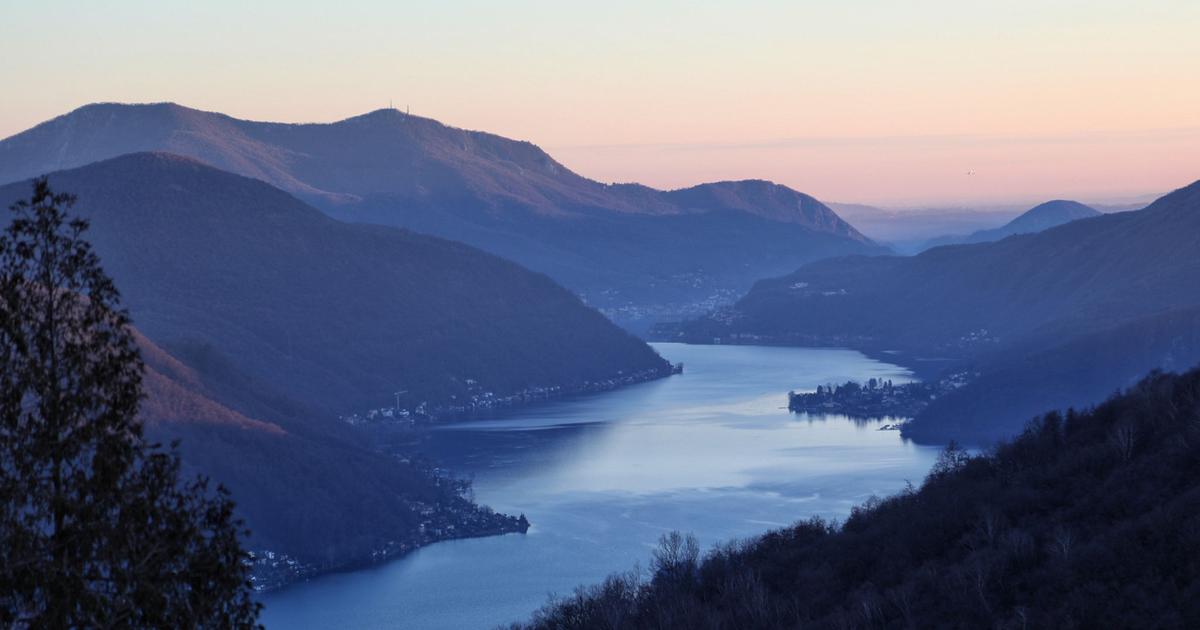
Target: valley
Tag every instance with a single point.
(602, 476)
(262, 320)
(600, 316)
(1078, 311)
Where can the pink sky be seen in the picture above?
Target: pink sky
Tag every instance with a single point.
(867, 101)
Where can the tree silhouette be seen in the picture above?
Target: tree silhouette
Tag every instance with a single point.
(96, 527)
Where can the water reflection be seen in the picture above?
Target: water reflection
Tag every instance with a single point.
(713, 451)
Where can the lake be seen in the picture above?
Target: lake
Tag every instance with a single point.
(713, 451)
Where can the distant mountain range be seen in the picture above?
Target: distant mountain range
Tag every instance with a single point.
(1041, 217)
(907, 230)
(265, 320)
(1030, 302)
(638, 253)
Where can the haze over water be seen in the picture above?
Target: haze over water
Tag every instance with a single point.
(713, 452)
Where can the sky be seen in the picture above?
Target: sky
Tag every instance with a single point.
(924, 102)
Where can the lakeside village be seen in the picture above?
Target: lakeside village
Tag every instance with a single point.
(480, 401)
(454, 517)
(876, 398)
(612, 305)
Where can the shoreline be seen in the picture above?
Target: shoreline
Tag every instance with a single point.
(519, 525)
(491, 456)
(392, 551)
(424, 415)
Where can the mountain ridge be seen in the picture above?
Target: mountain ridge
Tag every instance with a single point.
(194, 248)
(1038, 218)
(637, 253)
(1030, 303)
(261, 320)
(202, 126)
(1075, 261)
(1058, 374)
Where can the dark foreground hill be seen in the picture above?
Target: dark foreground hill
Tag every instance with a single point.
(1091, 520)
(264, 320)
(322, 499)
(639, 253)
(1040, 217)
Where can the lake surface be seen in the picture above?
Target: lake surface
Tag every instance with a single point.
(713, 451)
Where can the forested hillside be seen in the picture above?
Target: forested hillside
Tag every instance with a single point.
(1088, 520)
(1050, 373)
(262, 321)
(320, 496)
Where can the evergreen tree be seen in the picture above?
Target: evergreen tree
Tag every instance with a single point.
(97, 529)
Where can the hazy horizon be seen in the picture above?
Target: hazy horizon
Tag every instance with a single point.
(941, 104)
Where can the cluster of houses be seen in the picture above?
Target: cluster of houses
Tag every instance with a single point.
(381, 415)
(631, 311)
(479, 400)
(804, 289)
(875, 398)
(454, 519)
(977, 338)
(270, 570)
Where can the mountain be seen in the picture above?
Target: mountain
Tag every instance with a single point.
(638, 253)
(764, 199)
(263, 320)
(1040, 217)
(961, 300)
(1045, 216)
(1057, 318)
(354, 501)
(1087, 521)
(1076, 372)
(332, 315)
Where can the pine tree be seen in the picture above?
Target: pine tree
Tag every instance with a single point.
(97, 529)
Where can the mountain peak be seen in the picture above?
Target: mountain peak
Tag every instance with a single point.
(152, 158)
(386, 153)
(765, 199)
(506, 196)
(115, 105)
(113, 108)
(1050, 214)
(1039, 218)
(387, 115)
